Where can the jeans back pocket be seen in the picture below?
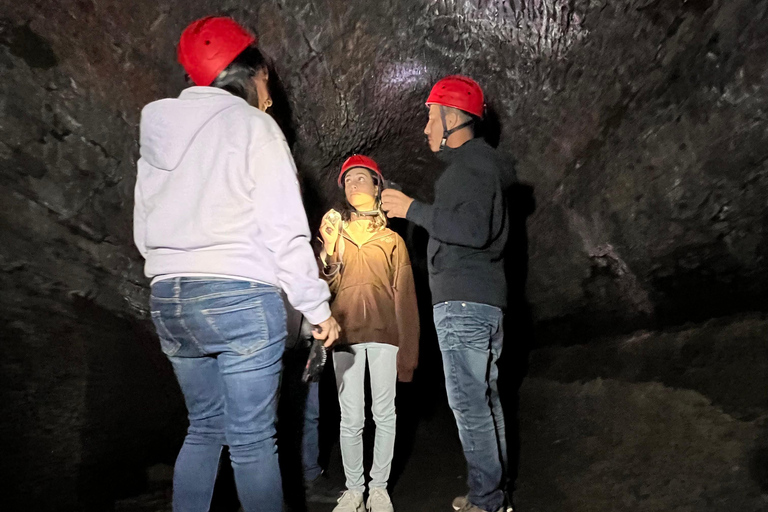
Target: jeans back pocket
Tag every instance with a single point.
(168, 344)
(255, 321)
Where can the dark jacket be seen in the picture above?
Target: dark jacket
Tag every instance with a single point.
(468, 226)
(374, 298)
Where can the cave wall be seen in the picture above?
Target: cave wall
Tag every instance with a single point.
(640, 126)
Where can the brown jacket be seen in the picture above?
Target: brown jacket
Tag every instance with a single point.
(374, 298)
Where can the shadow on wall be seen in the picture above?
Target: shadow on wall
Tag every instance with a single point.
(134, 415)
(282, 112)
(88, 402)
(519, 335)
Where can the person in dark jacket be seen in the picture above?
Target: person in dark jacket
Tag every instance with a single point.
(468, 225)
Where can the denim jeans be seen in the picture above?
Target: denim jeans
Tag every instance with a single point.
(225, 340)
(310, 442)
(470, 337)
(349, 365)
(297, 393)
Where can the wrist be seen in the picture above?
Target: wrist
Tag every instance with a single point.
(329, 247)
(331, 258)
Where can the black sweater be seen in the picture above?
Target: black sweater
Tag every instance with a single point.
(468, 226)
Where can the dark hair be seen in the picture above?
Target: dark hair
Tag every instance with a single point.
(237, 78)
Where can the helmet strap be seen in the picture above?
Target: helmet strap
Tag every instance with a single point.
(371, 213)
(379, 186)
(446, 132)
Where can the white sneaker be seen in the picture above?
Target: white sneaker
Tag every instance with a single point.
(350, 501)
(378, 501)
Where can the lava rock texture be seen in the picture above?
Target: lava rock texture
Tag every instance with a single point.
(640, 127)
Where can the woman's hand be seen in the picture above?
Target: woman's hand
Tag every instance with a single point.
(329, 230)
(327, 331)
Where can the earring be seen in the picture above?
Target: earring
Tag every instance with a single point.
(267, 103)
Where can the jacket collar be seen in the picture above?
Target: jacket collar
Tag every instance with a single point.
(381, 234)
(447, 154)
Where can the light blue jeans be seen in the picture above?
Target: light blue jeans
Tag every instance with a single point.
(225, 340)
(349, 365)
(470, 336)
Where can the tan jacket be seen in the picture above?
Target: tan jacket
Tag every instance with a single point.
(373, 296)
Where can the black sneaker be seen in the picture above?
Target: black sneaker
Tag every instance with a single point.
(322, 490)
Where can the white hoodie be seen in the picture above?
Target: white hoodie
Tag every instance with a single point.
(217, 194)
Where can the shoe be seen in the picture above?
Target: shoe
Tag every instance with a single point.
(350, 501)
(462, 504)
(510, 506)
(322, 490)
(378, 501)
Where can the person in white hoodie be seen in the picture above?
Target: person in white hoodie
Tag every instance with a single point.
(219, 219)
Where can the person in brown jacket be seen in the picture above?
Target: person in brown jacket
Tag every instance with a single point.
(368, 270)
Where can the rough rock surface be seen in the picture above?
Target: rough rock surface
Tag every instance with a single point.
(639, 124)
(607, 445)
(669, 421)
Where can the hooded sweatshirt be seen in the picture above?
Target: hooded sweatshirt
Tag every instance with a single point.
(374, 297)
(217, 194)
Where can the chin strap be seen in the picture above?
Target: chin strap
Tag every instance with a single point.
(446, 132)
(371, 213)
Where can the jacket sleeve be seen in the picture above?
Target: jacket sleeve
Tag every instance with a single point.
(284, 229)
(462, 213)
(406, 313)
(330, 269)
(139, 220)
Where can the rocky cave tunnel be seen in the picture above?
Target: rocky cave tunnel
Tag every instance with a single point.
(639, 129)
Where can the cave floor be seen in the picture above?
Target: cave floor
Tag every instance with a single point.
(671, 421)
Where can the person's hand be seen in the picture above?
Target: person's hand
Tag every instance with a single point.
(395, 203)
(327, 331)
(329, 230)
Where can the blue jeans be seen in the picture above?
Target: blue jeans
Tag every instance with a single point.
(225, 340)
(310, 442)
(470, 337)
(295, 358)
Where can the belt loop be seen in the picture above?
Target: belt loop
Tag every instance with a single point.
(176, 287)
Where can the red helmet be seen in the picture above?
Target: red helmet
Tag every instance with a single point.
(359, 161)
(459, 92)
(209, 45)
